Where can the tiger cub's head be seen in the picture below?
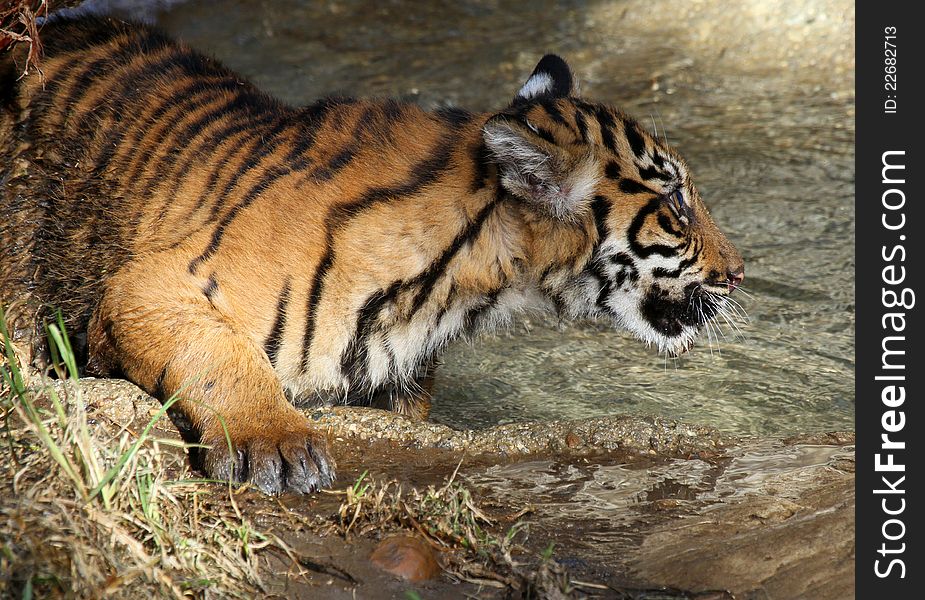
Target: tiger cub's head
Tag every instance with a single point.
(618, 227)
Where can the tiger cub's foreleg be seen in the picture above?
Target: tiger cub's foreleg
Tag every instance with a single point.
(175, 342)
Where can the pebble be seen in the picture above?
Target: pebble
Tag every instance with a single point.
(408, 557)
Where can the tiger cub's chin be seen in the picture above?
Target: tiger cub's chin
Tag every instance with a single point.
(212, 242)
(674, 324)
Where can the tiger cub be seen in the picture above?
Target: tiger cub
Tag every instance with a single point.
(202, 237)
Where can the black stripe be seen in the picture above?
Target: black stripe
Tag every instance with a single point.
(635, 139)
(663, 272)
(98, 71)
(238, 117)
(269, 177)
(294, 161)
(275, 338)
(187, 98)
(267, 142)
(189, 64)
(239, 102)
(335, 164)
(51, 85)
(428, 278)
(631, 186)
(596, 270)
(553, 294)
(612, 170)
(582, 125)
(116, 103)
(635, 227)
(352, 361)
(128, 94)
(555, 114)
(117, 110)
(393, 110)
(311, 119)
(600, 207)
(481, 161)
(622, 258)
(453, 116)
(346, 154)
(653, 173)
(254, 130)
(474, 315)
(606, 122)
(210, 288)
(447, 303)
(423, 174)
(198, 95)
(546, 135)
(666, 224)
(658, 159)
(314, 298)
(133, 86)
(179, 142)
(687, 262)
(160, 392)
(627, 272)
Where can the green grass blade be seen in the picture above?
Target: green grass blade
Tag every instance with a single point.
(128, 454)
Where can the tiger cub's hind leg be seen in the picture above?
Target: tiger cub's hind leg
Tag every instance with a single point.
(413, 402)
(176, 342)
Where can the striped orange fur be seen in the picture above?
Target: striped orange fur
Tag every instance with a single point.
(204, 236)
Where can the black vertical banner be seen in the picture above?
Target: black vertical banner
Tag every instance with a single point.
(890, 264)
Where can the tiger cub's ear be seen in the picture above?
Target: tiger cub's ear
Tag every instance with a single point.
(552, 78)
(539, 172)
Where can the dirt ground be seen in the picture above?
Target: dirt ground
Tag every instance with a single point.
(708, 516)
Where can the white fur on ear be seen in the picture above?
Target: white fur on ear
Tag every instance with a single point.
(532, 173)
(538, 85)
(552, 77)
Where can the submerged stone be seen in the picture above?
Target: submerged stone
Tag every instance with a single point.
(408, 557)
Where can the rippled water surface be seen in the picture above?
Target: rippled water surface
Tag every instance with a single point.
(758, 98)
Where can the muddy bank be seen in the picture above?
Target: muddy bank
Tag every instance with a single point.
(625, 503)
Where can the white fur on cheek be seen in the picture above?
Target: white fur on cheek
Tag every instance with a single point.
(578, 189)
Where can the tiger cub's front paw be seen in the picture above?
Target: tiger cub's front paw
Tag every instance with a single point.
(290, 457)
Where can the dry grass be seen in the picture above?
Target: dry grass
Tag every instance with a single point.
(449, 519)
(18, 26)
(91, 510)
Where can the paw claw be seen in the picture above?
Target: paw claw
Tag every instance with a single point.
(290, 461)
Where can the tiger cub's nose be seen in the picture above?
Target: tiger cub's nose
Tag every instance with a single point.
(731, 279)
(734, 278)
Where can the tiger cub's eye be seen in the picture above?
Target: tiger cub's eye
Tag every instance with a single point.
(678, 198)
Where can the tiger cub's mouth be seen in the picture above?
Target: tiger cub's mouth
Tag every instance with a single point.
(678, 322)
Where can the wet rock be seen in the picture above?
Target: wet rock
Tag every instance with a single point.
(633, 434)
(784, 530)
(679, 505)
(408, 557)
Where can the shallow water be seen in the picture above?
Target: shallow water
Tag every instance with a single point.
(611, 502)
(757, 97)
